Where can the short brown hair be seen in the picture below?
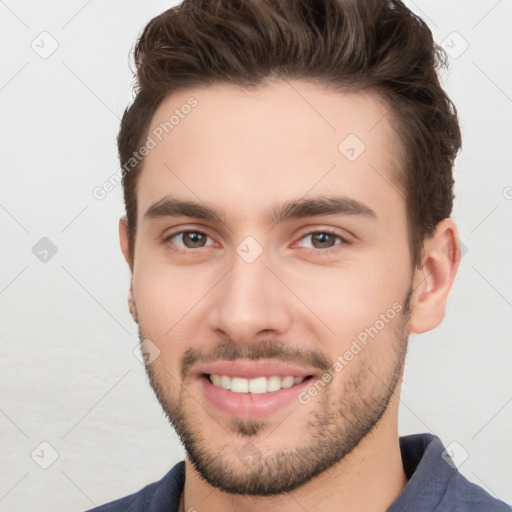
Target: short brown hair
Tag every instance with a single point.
(348, 45)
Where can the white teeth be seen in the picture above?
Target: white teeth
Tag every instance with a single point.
(239, 385)
(225, 382)
(274, 384)
(257, 385)
(287, 382)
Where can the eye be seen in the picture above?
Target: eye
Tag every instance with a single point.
(321, 241)
(190, 239)
(324, 241)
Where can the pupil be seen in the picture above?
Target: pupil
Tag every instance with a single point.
(322, 238)
(196, 238)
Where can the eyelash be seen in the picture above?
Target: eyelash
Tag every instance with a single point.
(322, 252)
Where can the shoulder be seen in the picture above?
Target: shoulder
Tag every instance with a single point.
(163, 495)
(435, 483)
(461, 495)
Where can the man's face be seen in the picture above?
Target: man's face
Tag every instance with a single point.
(305, 290)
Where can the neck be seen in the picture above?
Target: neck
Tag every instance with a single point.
(368, 479)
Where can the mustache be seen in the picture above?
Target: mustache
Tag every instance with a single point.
(267, 349)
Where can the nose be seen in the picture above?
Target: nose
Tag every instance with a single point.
(249, 300)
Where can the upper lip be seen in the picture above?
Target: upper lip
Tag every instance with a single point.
(251, 369)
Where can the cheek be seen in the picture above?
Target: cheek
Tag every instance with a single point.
(163, 295)
(355, 305)
(162, 305)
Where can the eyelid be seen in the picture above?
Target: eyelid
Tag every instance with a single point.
(166, 237)
(345, 240)
(343, 234)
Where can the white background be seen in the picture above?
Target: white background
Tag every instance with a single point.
(68, 373)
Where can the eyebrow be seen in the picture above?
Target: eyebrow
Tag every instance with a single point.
(325, 205)
(338, 205)
(173, 207)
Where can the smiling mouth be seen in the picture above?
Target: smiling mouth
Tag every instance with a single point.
(256, 385)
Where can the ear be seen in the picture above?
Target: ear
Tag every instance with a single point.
(434, 279)
(125, 249)
(124, 241)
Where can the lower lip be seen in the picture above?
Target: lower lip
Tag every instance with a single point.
(250, 405)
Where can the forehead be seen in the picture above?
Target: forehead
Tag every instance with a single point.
(285, 139)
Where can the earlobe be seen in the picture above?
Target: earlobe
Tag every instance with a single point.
(433, 281)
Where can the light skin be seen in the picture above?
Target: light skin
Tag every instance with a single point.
(244, 154)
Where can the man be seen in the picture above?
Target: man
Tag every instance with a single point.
(287, 170)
